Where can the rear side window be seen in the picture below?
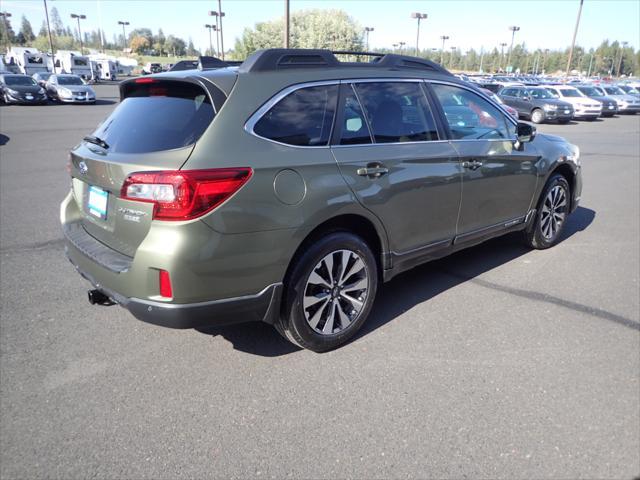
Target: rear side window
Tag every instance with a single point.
(397, 112)
(303, 118)
(162, 115)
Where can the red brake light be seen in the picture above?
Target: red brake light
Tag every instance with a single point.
(144, 80)
(165, 284)
(184, 194)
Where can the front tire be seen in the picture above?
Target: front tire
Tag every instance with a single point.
(329, 293)
(551, 214)
(537, 116)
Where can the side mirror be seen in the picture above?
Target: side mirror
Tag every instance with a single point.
(524, 133)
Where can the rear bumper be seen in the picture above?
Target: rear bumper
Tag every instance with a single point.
(263, 306)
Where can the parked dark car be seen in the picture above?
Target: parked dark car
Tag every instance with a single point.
(21, 89)
(537, 104)
(609, 104)
(286, 190)
(510, 110)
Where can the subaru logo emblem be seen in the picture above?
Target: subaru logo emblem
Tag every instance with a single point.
(83, 168)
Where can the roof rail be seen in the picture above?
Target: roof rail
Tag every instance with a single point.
(274, 59)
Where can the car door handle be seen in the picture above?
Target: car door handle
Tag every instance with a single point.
(472, 165)
(372, 171)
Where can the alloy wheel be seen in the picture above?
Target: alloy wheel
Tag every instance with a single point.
(335, 292)
(554, 212)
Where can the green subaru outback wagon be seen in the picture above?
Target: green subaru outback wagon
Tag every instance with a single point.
(286, 189)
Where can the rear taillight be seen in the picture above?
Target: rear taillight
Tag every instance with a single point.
(184, 194)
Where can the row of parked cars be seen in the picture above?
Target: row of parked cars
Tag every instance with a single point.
(44, 86)
(546, 99)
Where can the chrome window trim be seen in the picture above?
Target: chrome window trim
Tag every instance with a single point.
(258, 114)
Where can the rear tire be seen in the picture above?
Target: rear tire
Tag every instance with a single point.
(537, 116)
(551, 214)
(329, 293)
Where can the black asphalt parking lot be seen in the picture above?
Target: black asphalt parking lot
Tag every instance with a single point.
(497, 362)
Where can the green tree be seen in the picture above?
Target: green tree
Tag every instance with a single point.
(139, 44)
(332, 29)
(27, 31)
(175, 45)
(158, 42)
(191, 50)
(56, 22)
(6, 31)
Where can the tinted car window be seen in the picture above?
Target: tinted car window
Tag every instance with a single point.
(508, 92)
(469, 116)
(302, 118)
(354, 128)
(157, 116)
(19, 80)
(397, 112)
(70, 81)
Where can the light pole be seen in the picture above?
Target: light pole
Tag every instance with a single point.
(4, 16)
(124, 35)
(544, 59)
(513, 29)
(402, 44)
(367, 30)
(573, 42)
(502, 45)
(590, 63)
(395, 47)
(624, 44)
(444, 38)
(418, 16)
(79, 17)
(214, 28)
(286, 23)
(218, 15)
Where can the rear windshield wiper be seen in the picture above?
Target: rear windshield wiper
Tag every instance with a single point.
(96, 140)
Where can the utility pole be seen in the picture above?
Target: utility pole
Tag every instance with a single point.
(513, 29)
(418, 16)
(624, 44)
(221, 14)
(4, 16)
(286, 23)
(502, 45)
(78, 17)
(366, 33)
(444, 38)
(573, 42)
(53, 57)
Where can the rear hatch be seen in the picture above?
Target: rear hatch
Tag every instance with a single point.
(155, 127)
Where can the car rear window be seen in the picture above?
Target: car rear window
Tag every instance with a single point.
(156, 116)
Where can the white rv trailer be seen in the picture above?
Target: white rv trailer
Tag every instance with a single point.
(68, 61)
(104, 67)
(25, 60)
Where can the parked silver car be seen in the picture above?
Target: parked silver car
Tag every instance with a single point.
(626, 103)
(69, 89)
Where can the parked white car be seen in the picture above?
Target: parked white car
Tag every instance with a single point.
(583, 106)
